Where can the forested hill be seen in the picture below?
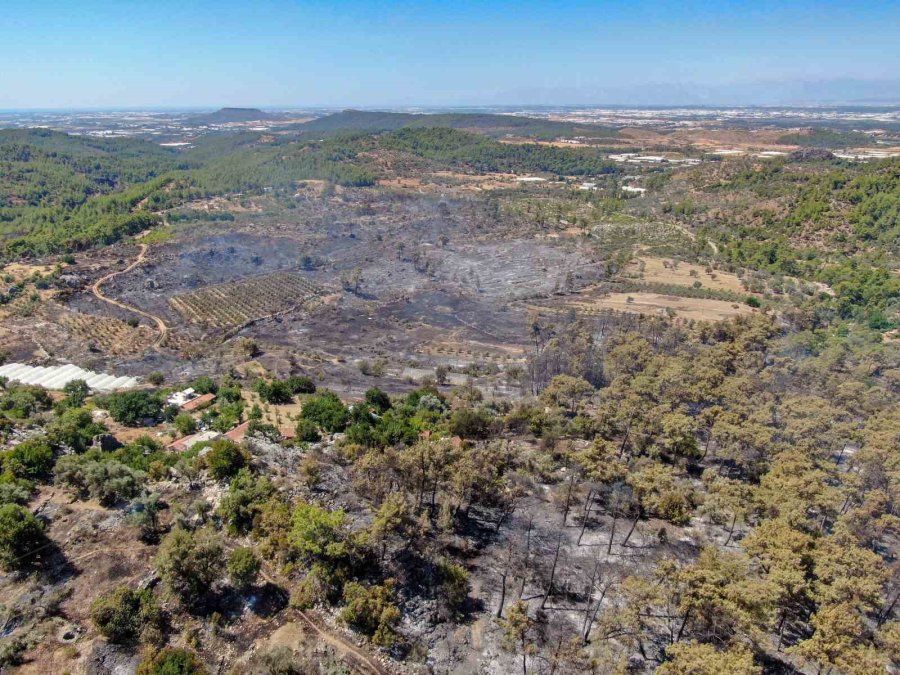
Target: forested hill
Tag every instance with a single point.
(45, 168)
(490, 124)
(232, 115)
(60, 192)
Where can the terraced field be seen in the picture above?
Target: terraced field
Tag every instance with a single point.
(233, 304)
(108, 334)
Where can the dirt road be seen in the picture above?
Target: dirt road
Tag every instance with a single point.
(95, 289)
(364, 662)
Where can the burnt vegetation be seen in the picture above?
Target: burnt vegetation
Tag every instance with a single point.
(444, 420)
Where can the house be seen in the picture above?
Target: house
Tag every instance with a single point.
(198, 403)
(189, 442)
(237, 434)
(179, 398)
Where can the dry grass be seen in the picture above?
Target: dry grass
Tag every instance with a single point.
(278, 415)
(664, 271)
(652, 304)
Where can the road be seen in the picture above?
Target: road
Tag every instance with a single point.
(95, 289)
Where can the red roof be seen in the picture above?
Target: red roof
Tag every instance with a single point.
(237, 434)
(199, 402)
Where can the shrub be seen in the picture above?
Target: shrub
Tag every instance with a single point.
(468, 423)
(14, 490)
(190, 563)
(326, 411)
(225, 459)
(248, 347)
(378, 400)
(76, 392)
(94, 475)
(454, 584)
(185, 424)
(243, 568)
(156, 378)
(22, 401)
(315, 588)
(144, 513)
(75, 429)
(172, 661)
(299, 384)
(20, 535)
(242, 504)
(753, 301)
(307, 432)
(124, 614)
(31, 459)
(372, 611)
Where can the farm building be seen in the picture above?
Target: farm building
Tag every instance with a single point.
(189, 442)
(198, 403)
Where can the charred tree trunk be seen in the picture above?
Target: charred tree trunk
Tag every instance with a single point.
(552, 571)
(631, 531)
(731, 530)
(587, 511)
(612, 533)
(527, 557)
(568, 499)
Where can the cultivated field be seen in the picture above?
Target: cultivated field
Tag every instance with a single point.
(108, 334)
(227, 306)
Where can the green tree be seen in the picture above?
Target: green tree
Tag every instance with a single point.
(185, 424)
(123, 615)
(318, 533)
(76, 392)
(74, 428)
(31, 459)
(372, 610)
(697, 658)
(172, 661)
(518, 631)
(326, 410)
(131, 408)
(243, 568)
(190, 563)
(244, 502)
(21, 535)
(225, 458)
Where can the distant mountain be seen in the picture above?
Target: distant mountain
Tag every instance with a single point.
(231, 115)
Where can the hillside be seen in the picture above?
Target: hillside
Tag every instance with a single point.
(494, 125)
(232, 116)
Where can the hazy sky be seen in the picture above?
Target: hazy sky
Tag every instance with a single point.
(164, 53)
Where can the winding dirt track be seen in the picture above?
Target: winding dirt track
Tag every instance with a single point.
(363, 661)
(95, 289)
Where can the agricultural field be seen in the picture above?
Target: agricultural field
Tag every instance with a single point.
(232, 305)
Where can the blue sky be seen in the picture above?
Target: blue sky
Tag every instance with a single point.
(133, 53)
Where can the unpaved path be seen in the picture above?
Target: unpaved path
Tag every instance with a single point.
(364, 661)
(95, 289)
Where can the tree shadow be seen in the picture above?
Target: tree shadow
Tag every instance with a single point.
(267, 600)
